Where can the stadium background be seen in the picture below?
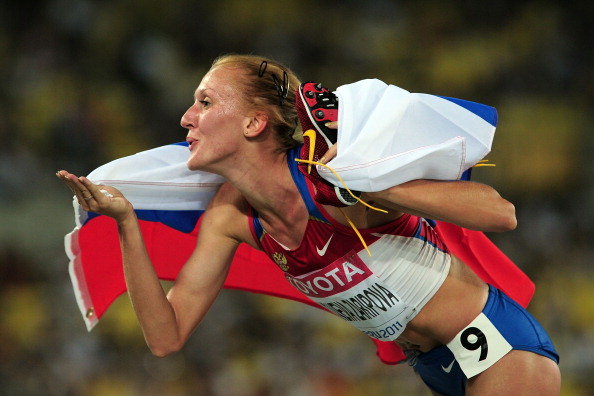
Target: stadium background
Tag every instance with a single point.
(84, 82)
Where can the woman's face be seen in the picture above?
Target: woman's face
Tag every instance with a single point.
(216, 121)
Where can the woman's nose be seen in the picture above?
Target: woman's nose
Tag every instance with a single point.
(187, 119)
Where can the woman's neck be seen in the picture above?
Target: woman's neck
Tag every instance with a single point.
(269, 188)
(263, 179)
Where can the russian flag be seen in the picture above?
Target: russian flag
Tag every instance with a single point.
(169, 201)
(388, 136)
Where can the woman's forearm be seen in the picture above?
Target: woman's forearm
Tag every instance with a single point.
(155, 314)
(468, 204)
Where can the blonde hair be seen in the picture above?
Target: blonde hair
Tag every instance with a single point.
(270, 87)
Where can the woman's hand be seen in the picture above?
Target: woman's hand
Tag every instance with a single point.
(331, 153)
(101, 199)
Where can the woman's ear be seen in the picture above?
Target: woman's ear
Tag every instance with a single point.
(256, 124)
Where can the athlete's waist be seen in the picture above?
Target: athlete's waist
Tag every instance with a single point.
(459, 300)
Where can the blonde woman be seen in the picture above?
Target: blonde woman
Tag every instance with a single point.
(241, 126)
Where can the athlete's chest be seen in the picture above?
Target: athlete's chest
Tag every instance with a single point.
(320, 245)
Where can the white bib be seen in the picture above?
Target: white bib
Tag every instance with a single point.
(478, 346)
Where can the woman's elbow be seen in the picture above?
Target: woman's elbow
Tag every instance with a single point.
(162, 351)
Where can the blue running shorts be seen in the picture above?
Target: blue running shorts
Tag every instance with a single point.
(442, 373)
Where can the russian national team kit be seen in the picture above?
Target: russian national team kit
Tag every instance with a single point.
(381, 293)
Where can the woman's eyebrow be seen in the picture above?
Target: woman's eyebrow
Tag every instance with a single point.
(201, 91)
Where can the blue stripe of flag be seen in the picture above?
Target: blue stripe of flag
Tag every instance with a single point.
(181, 220)
(487, 113)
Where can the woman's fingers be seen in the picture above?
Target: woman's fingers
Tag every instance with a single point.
(83, 192)
(89, 193)
(66, 178)
(331, 153)
(97, 198)
(62, 175)
(93, 190)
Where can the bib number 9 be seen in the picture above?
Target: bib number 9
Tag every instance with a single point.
(472, 339)
(478, 346)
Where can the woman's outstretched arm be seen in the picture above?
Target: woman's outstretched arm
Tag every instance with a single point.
(167, 321)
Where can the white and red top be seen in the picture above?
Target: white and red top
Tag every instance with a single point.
(378, 294)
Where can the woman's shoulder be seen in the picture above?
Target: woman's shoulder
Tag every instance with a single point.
(228, 201)
(227, 212)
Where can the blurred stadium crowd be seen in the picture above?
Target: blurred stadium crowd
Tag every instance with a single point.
(87, 81)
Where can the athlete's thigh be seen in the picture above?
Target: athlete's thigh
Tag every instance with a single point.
(518, 373)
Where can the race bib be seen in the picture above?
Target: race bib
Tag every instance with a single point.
(478, 346)
(349, 289)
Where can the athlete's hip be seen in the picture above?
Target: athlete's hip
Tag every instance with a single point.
(459, 300)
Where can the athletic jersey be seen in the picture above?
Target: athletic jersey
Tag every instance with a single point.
(379, 294)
